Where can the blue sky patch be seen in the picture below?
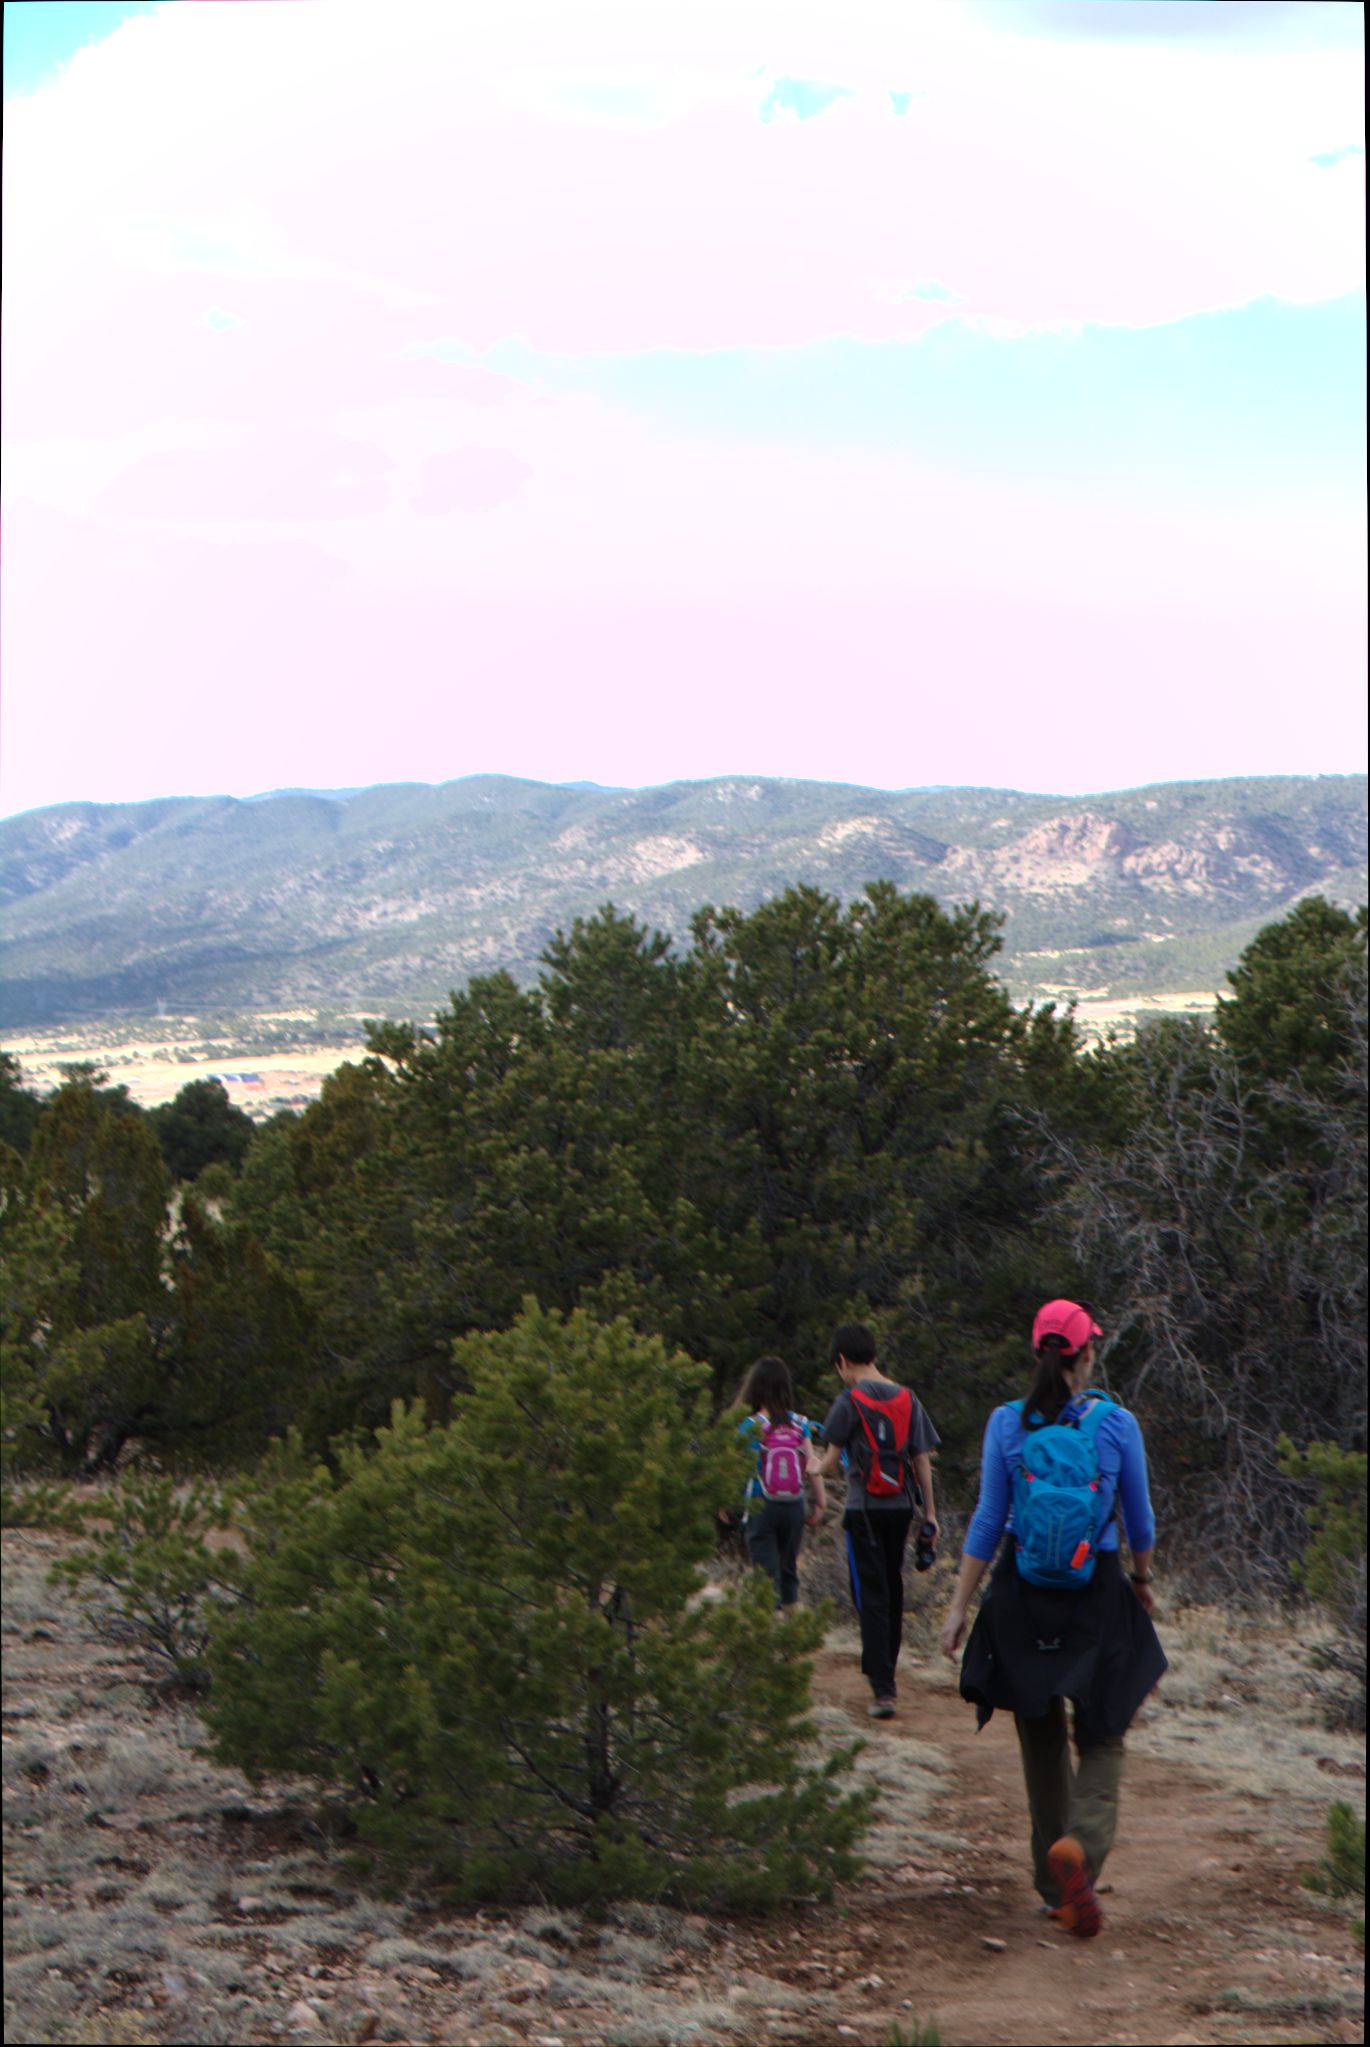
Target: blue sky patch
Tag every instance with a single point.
(1220, 402)
(43, 35)
(802, 96)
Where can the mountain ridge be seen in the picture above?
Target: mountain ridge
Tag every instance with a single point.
(386, 897)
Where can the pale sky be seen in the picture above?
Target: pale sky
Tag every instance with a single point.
(965, 392)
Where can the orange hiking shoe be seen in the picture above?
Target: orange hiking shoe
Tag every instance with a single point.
(1079, 1910)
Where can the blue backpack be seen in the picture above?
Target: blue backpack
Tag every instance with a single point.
(1059, 1507)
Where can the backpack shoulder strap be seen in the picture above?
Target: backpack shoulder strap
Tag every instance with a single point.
(1092, 1418)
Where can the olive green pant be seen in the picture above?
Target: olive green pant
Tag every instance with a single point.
(1063, 1799)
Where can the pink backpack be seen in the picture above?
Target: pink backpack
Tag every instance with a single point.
(780, 1465)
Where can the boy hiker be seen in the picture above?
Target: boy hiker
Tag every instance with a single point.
(879, 1435)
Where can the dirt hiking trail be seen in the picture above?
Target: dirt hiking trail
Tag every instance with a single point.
(1204, 1919)
(153, 1897)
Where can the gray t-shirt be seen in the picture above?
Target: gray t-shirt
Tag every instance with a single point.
(843, 1427)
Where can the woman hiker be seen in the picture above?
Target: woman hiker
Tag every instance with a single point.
(785, 1462)
(1060, 1620)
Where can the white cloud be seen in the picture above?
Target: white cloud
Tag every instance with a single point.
(563, 172)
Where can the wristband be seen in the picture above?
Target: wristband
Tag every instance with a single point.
(1139, 1577)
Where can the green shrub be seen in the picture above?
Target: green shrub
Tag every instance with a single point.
(153, 1556)
(1341, 1873)
(921, 2033)
(488, 1628)
(46, 1503)
(1332, 1568)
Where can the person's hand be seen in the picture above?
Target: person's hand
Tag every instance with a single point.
(814, 1516)
(934, 1524)
(953, 1627)
(1146, 1596)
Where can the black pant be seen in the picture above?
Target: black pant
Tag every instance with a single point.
(876, 1538)
(775, 1529)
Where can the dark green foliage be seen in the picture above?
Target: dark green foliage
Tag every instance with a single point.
(19, 1107)
(118, 1325)
(84, 1309)
(812, 1112)
(488, 1629)
(200, 1128)
(240, 1353)
(1332, 1567)
(1288, 1015)
(1336, 1516)
(1341, 1873)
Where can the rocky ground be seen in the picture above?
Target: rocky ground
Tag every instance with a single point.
(151, 1897)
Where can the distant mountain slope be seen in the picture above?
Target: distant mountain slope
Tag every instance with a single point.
(386, 898)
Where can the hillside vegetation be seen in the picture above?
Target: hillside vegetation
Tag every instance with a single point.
(385, 899)
(454, 1351)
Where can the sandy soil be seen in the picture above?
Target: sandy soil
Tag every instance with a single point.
(152, 1897)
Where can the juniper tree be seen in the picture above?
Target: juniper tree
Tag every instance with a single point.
(489, 1630)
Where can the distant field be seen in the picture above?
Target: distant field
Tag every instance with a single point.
(280, 1059)
(259, 1077)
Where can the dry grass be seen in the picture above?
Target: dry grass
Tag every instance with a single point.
(1245, 1690)
(911, 1779)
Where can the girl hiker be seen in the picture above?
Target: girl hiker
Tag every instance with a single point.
(1060, 1620)
(775, 1491)
(879, 1434)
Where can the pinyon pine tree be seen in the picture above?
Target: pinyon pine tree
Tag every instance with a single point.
(488, 1630)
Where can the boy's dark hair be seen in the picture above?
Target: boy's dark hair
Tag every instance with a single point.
(854, 1342)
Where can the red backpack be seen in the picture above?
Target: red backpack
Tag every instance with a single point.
(886, 1424)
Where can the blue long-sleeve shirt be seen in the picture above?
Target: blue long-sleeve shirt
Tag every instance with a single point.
(1122, 1473)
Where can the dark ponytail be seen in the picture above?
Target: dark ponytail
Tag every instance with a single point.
(768, 1388)
(1048, 1393)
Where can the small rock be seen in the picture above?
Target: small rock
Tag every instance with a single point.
(248, 1904)
(849, 2032)
(870, 1982)
(998, 1947)
(305, 2017)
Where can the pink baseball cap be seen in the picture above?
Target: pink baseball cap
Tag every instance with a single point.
(1067, 1319)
